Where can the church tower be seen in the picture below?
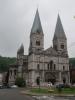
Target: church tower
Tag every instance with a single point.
(59, 39)
(36, 36)
(20, 54)
(20, 51)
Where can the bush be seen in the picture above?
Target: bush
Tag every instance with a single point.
(59, 89)
(20, 82)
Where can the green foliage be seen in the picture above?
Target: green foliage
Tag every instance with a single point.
(55, 91)
(20, 82)
(72, 61)
(5, 62)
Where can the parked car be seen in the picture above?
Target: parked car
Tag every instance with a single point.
(6, 87)
(61, 85)
(14, 86)
(1, 86)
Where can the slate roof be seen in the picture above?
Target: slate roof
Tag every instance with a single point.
(59, 31)
(21, 49)
(50, 51)
(37, 24)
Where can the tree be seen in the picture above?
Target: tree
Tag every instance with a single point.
(5, 62)
(20, 82)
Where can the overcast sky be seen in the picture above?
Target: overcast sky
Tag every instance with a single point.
(16, 19)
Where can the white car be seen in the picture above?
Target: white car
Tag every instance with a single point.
(14, 86)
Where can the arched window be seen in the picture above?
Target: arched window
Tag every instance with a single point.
(15, 72)
(48, 67)
(54, 67)
(63, 67)
(51, 65)
(62, 46)
(38, 66)
(38, 43)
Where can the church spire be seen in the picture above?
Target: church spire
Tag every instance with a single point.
(37, 24)
(21, 50)
(36, 36)
(59, 31)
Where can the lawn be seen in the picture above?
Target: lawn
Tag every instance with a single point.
(37, 90)
(68, 90)
(53, 91)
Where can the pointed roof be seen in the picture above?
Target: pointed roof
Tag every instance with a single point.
(37, 24)
(59, 31)
(21, 49)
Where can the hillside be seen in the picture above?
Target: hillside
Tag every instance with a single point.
(4, 63)
(72, 61)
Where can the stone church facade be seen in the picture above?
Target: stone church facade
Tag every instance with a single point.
(50, 65)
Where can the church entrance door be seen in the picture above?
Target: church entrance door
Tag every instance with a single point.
(50, 77)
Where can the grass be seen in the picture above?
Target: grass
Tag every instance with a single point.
(52, 91)
(40, 91)
(68, 90)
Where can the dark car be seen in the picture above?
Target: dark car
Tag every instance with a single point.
(1, 86)
(60, 86)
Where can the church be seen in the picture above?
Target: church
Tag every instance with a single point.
(50, 65)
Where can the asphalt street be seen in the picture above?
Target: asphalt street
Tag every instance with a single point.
(13, 94)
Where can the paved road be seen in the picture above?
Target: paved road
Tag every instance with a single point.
(13, 94)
